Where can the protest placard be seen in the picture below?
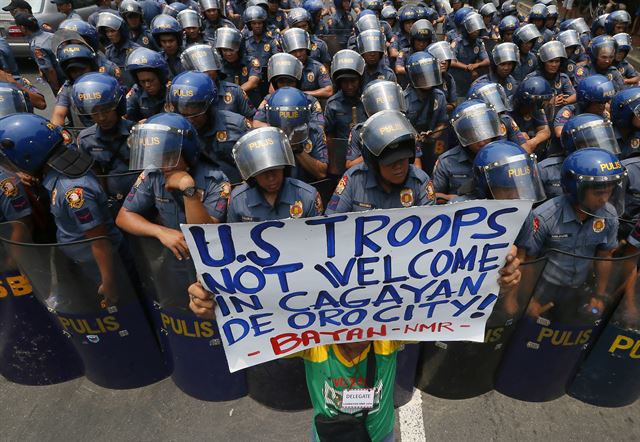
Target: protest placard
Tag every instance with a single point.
(418, 274)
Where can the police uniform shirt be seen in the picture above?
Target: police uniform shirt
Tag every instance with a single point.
(402, 41)
(611, 73)
(144, 39)
(425, 111)
(339, 114)
(629, 145)
(174, 63)
(223, 130)
(78, 205)
(359, 190)
(232, 98)
(14, 202)
(7, 60)
(403, 56)
(149, 192)
(141, 105)
(627, 70)
(264, 49)
(314, 76)
(317, 117)
(632, 191)
(509, 84)
(449, 88)
(316, 147)
(449, 22)
(295, 200)
(513, 132)
(528, 63)
(278, 19)
(63, 98)
(550, 170)
(547, 36)
(381, 71)
(453, 168)
(40, 47)
(245, 67)
(340, 24)
(557, 226)
(110, 152)
(210, 27)
(468, 52)
(530, 124)
(119, 53)
(452, 35)
(564, 114)
(320, 50)
(236, 6)
(561, 83)
(106, 66)
(577, 57)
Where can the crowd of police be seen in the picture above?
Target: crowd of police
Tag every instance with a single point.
(204, 112)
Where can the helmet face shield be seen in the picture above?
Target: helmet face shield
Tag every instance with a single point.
(596, 134)
(383, 95)
(201, 58)
(424, 72)
(476, 123)
(602, 197)
(292, 120)
(515, 177)
(154, 146)
(494, 95)
(260, 150)
(11, 101)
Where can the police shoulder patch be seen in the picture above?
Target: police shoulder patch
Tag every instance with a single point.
(318, 204)
(228, 98)
(598, 225)
(341, 185)
(267, 47)
(101, 69)
(406, 197)
(221, 135)
(145, 40)
(509, 86)
(431, 191)
(536, 224)
(635, 143)
(570, 67)
(580, 71)
(296, 210)
(8, 187)
(255, 63)
(225, 191)
(66, 136)
(74, 197)
(323, 70)
(566, 113)
(530, 62)
(310, 76)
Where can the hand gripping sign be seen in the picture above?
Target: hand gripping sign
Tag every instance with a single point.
(416, 274)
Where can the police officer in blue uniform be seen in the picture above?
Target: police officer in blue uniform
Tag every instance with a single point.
(276, 17)
(617, 22)
(386, 179)
(114, 28)
(583, 221)
(175, 181)
(240, 68)
(407, 17)
(132, 12)
(628, 72)
(470, 53)
(444, 54)
(66, 7)
(525, 37)
(504, 59)
(576, 55)
(602, 53)
(101, 98)
(458, 29)
(203, 58)
(259, 43)
(213, 18)
(340, 23)
(289, 109)
(151, 73)
(531, 99)
(194, 96)
(344, 109)
(538, 17)
(300, 18)
(507, 27)
(41, 50)
(168, 35)
(315, 76)
(583, 130)
(625, 116)
(191, 23)
(14, 201)
(421, 36)
(371, 45)
(475, 125)
(78, 204)
(286, 70)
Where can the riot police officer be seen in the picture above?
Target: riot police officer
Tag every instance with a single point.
(167, 33)
(531, 99)
(629, 73)
(538, 17)
(151, 73)
(100, 97)
(617, 22)
(175, 181)
(194, 96)
(340, 22)
(576, 55)
(315, 77)
(421, 36)
(66, 7)
(259, 43)
(191, 24)
(551, 57)
(213, 18)
(371, 45)
(131, 11)
(525, 37)
(300, 18)
(407, 17)
(203, 58)
(344, 109)
(115, 30)
(625, 116)
(504, 59)
(507, 27)
(443, 53)
(602, 52)
(470, 53)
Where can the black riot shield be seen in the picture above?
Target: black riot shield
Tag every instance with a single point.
(192, 344)
(610, 374)
(461, 370)
(88, 287)
(33, 350)
(559, 327)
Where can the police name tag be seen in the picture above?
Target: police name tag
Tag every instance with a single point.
(361, 398)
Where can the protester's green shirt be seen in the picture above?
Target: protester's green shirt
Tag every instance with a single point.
(329, 372)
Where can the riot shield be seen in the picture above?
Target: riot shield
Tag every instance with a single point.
(337, 152)
(559, 326)
(461, 370)
(336, 41)
(193, 345)
(33, 350)
(610, 374)
(104, 320)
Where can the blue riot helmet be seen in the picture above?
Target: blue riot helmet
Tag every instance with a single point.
(552, 50)
(294, 39)
(389, 13)
(143, 59)
(625, 105)
(173, 9)
(382, 95)
(508, 8)
(594, 179)
(202, 58)
(192, 93)
(422, 30)
(473, 121)
(364, 13)
(12, 100)
(367, 22)
(580, 25)
(492, 94)
(262, 3)
(346, 63)
(504, 170)
(423, 70)
(623, 41)
(76, 55)
(254, 13)
(371, 41)
(565, 24)
(535, 92)
(374, 5)
(228, 38)
(553, 12)
(407, 13)
(160, 140)
(598, 24)
(298, 15)
(165, 24)
(508, 23)
(620, 17)
(442, 51)
(538, 12)
(97, 93)
(421, 11)
(525, 34)
(588, 130)
(488, 10)
(315, 7)
(569, 38)
(602, 45)
(595, 89)
(388, 136)
(189, 19)
(29, 142)
(283, 65)
(111, 20)
(460, 15)
(288, 108)
(128, 7)
(261, 150)
(88, 33)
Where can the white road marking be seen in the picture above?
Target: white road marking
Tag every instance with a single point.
(411, 420)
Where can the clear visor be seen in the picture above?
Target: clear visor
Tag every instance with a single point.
(528, 32)
(226, 38)
(515, 178)
(596, 134)
(88, 106)
(606, 49)
(494, 96)
(182, 102)
(11, 101)
(383, 97)
(600, 198)
(108, 20)
(442, 51)
(154, 146)
(370, 41)
(569, 38)
(201, 58)
(474, 23)
(477, 125)
(580, 26)
(189, 19)
(296, 132)
(425, 75)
